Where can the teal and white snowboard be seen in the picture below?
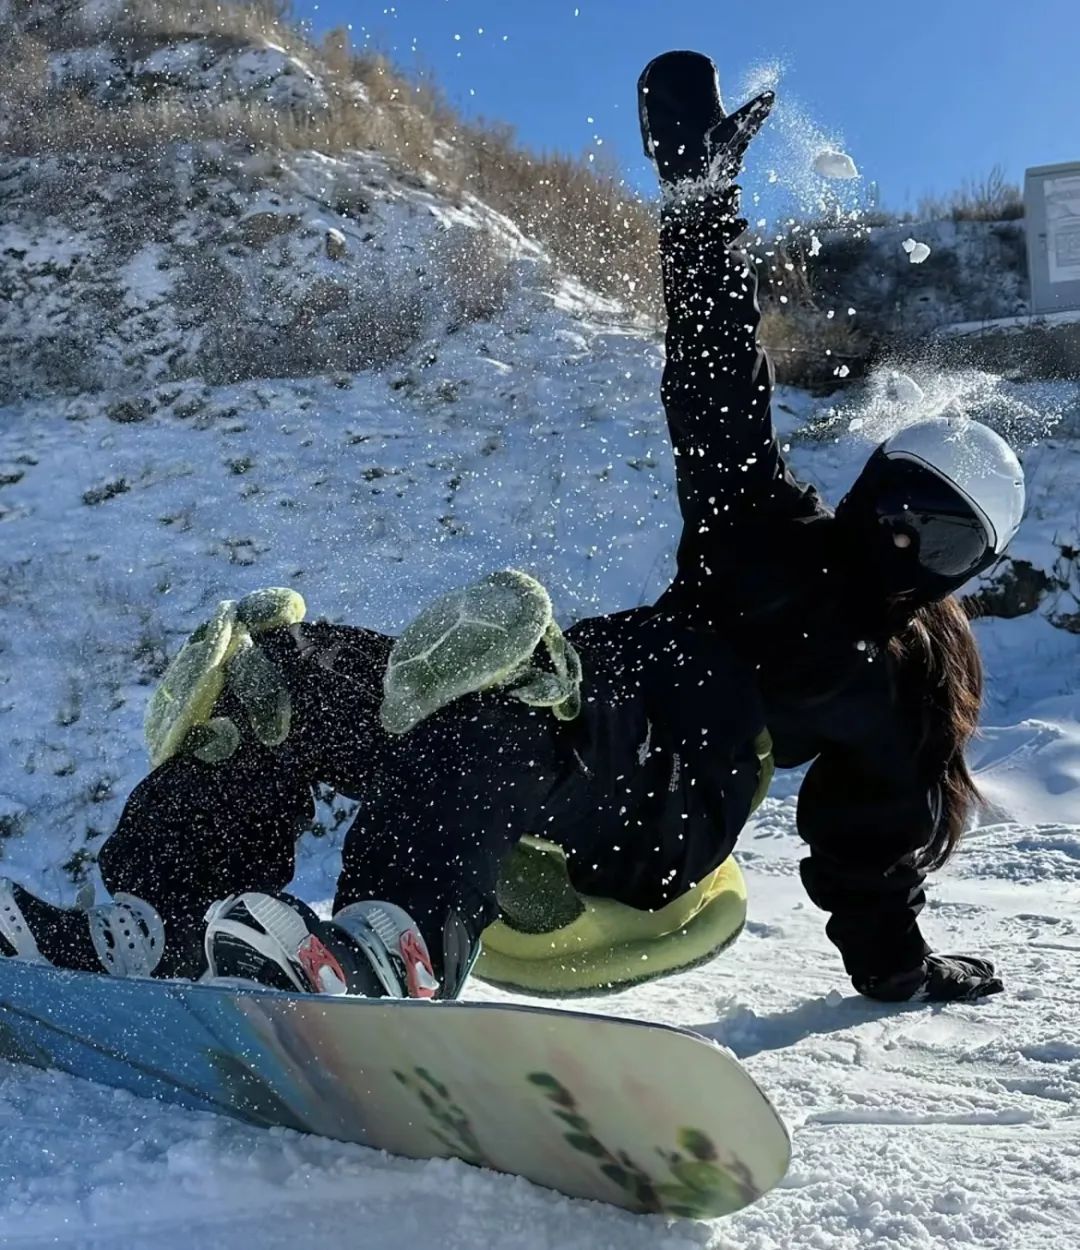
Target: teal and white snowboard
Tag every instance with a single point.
(644, 1116)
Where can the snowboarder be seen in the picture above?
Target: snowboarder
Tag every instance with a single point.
(837, 631)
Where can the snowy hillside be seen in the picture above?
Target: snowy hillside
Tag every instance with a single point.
(166, 217)
(534, 441)
(971, 271)
(136, 274)
(223, 369)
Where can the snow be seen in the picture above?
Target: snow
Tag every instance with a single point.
(259, 258)
(813, 175)
(1068, 317)
(914, 1126)
(145, 278)
(917, 252)
(533, 439)
(77, 66)
(175, 59)
(832, 164)
(111, 71)
(284, 80)
(901, 388)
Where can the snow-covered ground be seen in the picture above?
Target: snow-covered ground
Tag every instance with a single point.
(914, 1127)
(533, 440)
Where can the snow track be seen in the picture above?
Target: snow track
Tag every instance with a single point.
(914, 1126)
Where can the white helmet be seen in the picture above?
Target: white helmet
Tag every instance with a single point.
(953, 486)
(976, 462)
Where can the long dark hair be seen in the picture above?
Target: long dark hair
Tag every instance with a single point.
(939, 667)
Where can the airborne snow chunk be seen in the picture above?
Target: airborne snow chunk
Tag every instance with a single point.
(902, 389)
(917, 252)
(830, 163)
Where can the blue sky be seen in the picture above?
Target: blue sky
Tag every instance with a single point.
(924, 94)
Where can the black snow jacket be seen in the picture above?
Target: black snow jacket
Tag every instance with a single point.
(763, 562)
(649, 788)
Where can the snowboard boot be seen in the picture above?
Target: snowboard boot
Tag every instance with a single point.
(370, 949)
(686, 133)
(393, 945)
(124, 937)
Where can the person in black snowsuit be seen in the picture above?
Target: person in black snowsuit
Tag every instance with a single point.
(833, 631)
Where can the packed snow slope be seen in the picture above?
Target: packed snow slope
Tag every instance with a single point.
(535, 440)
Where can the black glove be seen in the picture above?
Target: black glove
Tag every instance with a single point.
(938, 979)
(732, 135)
(685, 128)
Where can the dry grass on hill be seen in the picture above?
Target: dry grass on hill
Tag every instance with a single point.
(590, 225)
(992, 198)
(242, 19)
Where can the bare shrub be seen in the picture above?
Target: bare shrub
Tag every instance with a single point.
(74, 124)
(12, 824)
(248, 19)
(992, 198)
(1038, 349)
(63, 26)
(589, 224)
(66, 362)
(885, 217)
(337, 54)
(810, 349)
(25, 62)
(783, 271)
(257, 324)
(378, 322)
(810, 346)
(471, 273)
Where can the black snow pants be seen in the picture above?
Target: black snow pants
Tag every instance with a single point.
(647, 790)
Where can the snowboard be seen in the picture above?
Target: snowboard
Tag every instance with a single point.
(647, 1117)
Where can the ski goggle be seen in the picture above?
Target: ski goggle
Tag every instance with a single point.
(949, 538)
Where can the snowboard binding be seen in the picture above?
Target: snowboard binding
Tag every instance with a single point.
(370, 949)
(125, 934)
(128, 936)
(17, 939)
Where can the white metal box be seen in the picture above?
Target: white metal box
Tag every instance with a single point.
(1052, 213)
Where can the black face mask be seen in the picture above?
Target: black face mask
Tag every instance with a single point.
(948, 541)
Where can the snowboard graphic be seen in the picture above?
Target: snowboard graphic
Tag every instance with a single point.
(647, 1117)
